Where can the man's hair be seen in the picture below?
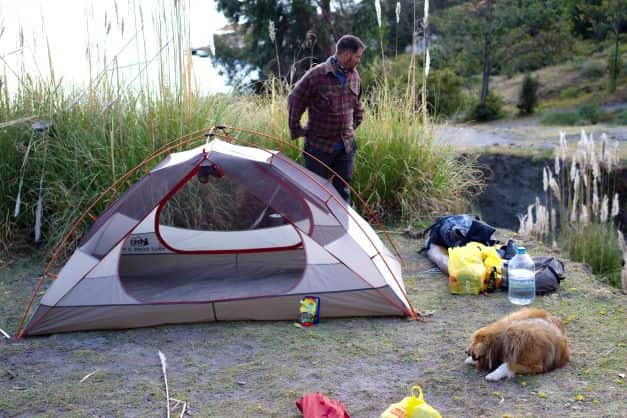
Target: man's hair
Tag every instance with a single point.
(349, 43)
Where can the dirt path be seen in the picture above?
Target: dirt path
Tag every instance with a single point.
(520, 132)
(258, 369)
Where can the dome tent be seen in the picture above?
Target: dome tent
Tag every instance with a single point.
(222, 232)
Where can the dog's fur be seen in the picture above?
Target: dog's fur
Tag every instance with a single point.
(527, 341)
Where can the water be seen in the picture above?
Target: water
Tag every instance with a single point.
(521, 286)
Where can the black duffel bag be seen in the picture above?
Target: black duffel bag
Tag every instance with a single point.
(549, 274)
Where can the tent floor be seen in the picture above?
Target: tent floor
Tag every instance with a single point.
(176, 287)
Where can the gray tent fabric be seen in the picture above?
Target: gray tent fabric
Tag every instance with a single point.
(246, 240)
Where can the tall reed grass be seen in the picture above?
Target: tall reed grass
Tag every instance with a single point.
(580, 205)
(100, 132)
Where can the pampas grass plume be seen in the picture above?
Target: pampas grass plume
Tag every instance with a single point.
(555, 188)
(595, 199)
(583, 215)
(615, 203)
(604, 209)
(563, 146)
(164, 366)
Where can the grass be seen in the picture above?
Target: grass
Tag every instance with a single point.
(585, 114)
(593, 244)
(580, 204)
(261, 368)
(106, 129)
(567, 118)
(398, 171)
(567, 85)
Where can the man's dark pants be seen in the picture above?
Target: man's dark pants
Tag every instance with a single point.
(340, 161)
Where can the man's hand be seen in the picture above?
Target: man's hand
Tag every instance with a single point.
(297, 133)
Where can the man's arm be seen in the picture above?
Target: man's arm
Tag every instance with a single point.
(358, 111)
(297, 102)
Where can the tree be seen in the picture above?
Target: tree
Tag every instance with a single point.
(470, 34)
(305, 32)
(508, 36)
(299, 33)
(600, 19)
(537, 34)
(528, 97)
(614, 12)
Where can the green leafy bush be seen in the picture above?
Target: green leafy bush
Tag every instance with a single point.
(565, 118)
(492, 110)
(592, 70)
(400, 171)
(528, 98)
(445, 95)
(570, 92)
(590, 112)
(444, 92)
(596, 245)
(619, 118)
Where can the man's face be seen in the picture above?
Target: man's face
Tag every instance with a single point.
(350, 60)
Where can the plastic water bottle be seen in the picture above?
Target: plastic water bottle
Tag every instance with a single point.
(521, 278)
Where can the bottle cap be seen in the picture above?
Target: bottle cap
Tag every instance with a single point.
(521, 250)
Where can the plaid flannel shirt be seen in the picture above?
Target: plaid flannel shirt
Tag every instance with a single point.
(334, 112)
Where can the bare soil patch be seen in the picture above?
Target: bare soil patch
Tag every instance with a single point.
(259, 369)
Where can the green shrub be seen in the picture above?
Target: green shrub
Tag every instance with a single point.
(569, 93)
(528, 98)
(566, 118)
(400, 172)
(590, 113)
(619, 118)
(492, 110)
(592, 70)
(595, 244)
(445, 95)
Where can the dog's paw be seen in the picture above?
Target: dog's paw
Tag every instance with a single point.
(470, 361)
(501, 372)
(494, 377)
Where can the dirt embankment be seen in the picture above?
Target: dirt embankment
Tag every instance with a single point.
(513, 182)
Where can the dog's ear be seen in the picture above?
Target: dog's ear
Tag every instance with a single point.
(493, 354)
(558, 323)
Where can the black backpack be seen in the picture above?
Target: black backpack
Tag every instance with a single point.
(549, 273)
(459, 230)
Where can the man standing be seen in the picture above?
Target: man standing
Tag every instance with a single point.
(330, 92)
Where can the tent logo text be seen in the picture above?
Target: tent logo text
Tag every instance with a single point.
(139, 242)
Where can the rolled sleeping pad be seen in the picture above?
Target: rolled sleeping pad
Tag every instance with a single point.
(439, 256)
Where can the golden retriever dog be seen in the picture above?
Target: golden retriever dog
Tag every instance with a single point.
(527, 341)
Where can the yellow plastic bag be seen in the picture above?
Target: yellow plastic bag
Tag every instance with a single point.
(411, 407)
(494, 267)
(466, 271)
(470, 268)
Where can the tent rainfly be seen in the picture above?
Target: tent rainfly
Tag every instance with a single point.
(222, 232)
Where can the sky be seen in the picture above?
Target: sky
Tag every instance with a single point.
(104, 30)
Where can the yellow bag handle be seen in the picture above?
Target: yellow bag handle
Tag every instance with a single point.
(420, 397)
(414, 402)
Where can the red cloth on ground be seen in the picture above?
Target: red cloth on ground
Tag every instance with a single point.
(316, 405)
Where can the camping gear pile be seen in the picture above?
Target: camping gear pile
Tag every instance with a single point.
(463, 248)
(473, 269)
